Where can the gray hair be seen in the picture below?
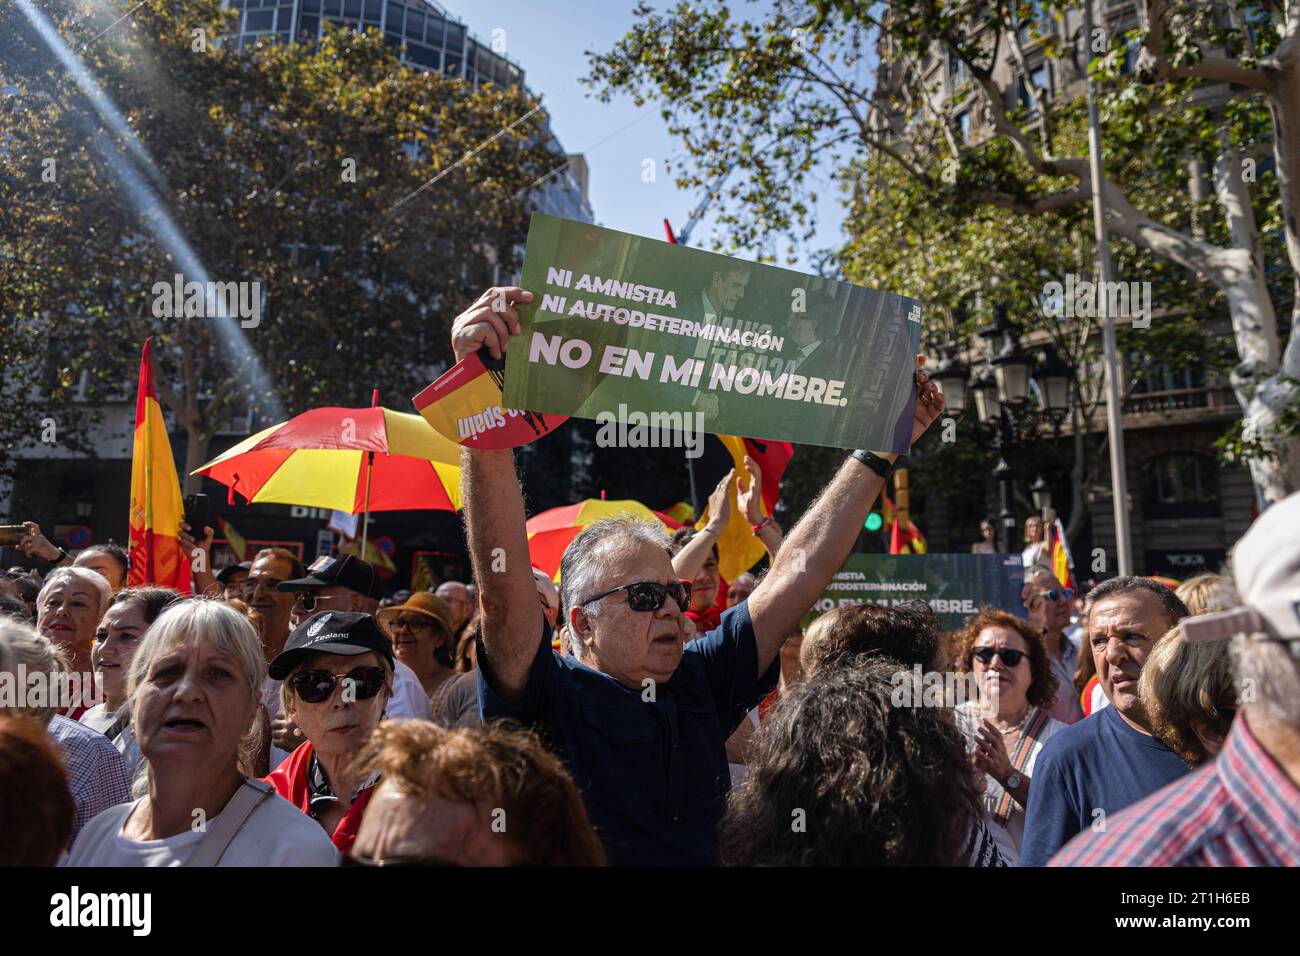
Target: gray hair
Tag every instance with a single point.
(97, 582)
(215, 622)
(1267, 677)
(581, 571)
(218, 624)
(21, 645)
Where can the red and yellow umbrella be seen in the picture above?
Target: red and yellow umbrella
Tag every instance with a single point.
(347, 459)
(550, 532)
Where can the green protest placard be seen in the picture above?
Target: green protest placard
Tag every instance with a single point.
(955, 585)
(621, 325)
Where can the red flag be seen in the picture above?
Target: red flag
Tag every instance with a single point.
(772, 458)
(156, 555)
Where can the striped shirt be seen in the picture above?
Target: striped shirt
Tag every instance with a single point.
(1240, 810)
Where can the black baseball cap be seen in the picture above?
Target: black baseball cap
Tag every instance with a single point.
(344, 570)
(346, 633)
(226, 573)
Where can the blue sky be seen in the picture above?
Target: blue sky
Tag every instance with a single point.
(548, 40)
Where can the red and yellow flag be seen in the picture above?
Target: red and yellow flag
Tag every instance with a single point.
(156, 556)
(1062, 560)
(739, 549)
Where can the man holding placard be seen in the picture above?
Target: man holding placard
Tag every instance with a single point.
(640, 719)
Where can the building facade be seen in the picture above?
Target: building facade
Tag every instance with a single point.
(1185, 507)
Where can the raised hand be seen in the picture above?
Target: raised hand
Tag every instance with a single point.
(929, 402)
(720, 502)
(750, 493)
(489, 322)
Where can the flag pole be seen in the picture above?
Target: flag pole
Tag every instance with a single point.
(370, 468)
(1110, 350)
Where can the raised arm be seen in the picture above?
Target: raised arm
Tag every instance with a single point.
(748, 496)
(688, 561)
(820, 543)
(494, 514)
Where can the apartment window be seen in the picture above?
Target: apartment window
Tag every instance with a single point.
(956, 70)
(963, 125)
(1042, 80)
(259, 21)
(1180, 485)
(415, 25)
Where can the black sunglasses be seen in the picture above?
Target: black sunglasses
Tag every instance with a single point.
(352, 859)
(1053, 594)
(649, 595)
(312, 687)
(1010, 656)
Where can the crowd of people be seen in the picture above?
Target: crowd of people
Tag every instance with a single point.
(640, 713)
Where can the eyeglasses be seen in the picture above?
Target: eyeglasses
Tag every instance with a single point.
(649, 595)
(307, 600)
(353, 859)
(1010, 656)
(249, 586)
(1053, 594)
(409, 623)
(312, 687)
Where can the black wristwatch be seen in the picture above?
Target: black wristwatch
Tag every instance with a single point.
(881, 466)
(63, 556)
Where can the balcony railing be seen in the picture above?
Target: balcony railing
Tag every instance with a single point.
(1178, 399)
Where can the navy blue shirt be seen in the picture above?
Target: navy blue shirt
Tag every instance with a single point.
(653, 774)
(1099, 763)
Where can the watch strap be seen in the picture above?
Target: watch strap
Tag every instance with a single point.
(881, 466)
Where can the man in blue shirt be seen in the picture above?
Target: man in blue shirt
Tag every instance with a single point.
(639, 717)
(1101, 765)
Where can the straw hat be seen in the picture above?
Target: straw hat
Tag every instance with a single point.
(426, 604)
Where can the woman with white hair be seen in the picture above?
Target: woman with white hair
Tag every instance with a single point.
(193, 695)
(68, 609)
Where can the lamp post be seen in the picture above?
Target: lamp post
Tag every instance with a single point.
(1000, 395)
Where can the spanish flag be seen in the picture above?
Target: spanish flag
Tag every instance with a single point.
(156, 556)
(1062, 559)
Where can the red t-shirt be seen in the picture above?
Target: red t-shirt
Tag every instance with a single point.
(290, 782)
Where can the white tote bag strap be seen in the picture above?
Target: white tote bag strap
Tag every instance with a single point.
(233, 816)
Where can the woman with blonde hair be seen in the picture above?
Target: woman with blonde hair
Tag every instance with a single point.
(1187, 692)
(193, 691)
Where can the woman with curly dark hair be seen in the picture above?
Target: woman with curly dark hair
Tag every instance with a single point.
(843, 776)
(1008, 724)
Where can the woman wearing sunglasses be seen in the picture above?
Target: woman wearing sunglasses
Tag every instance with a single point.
(1008, 725)
(337, 668)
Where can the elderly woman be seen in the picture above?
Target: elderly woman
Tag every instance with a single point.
(68, 609)
(1187, 693)
(421, 630)
(337, 669)
(193, 690)
(130, 614)
(1008, 725)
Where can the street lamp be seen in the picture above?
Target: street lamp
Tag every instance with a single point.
(1042, 495)
(1053, 377)
(952, 375)
(1012, 364)
(987, 406)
